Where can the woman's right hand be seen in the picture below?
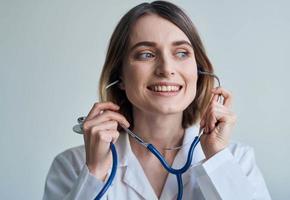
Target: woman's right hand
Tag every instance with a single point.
(100, 129)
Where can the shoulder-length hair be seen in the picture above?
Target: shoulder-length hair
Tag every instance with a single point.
(118, 48)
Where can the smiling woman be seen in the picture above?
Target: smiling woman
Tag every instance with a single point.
(161, 58)
(164, 96)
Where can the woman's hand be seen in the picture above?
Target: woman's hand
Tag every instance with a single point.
(218, 122)
(100, 129)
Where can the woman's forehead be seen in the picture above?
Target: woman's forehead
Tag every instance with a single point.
(153, 28)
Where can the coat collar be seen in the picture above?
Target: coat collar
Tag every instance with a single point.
(135, 177)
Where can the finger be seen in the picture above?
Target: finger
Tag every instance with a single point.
(115, 136)
(218, 117)
(111, 115)
(212, 122)
(99, 107)
(206, 119)
(219, 113)
(107, 125)
(203, 121)
(226, 95)
(106, 116)
(211, 117)
(221, 110)
(206, 115)
(100, 144)
(213, 113)
(229, 118)
(107, 136)
(215, 98)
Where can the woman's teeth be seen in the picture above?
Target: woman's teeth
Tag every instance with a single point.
(164, 88)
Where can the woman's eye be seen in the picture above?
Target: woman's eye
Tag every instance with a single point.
(144, 56)
(182, 54)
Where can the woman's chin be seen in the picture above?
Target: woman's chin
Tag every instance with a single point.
(167, 109)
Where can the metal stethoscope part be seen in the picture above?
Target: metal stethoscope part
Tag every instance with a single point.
(178, 172)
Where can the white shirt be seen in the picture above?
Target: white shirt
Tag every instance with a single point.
(231, 174)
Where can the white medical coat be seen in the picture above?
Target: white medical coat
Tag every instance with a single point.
(231, 174)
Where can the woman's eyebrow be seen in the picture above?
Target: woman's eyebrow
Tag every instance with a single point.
(153, 44)
(143, 43)
(182, 42)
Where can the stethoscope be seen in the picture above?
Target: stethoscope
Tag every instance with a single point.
(178, 172)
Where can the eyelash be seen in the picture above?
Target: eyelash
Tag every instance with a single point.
(139, 55)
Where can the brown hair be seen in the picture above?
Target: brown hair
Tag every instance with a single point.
(117, 50)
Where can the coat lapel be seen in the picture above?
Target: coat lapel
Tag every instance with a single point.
(135, 178)
(134, 175)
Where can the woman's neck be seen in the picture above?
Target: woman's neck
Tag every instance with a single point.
(162, 131)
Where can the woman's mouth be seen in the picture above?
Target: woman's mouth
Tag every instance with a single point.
(165, 89)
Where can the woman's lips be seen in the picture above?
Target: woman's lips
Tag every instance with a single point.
(165, 89)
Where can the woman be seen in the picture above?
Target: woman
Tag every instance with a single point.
(155, 53)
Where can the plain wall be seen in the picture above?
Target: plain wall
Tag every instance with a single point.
(51, 54)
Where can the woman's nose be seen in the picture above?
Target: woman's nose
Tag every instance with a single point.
(165, 67)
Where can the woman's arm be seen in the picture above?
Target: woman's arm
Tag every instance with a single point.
(232, 174)
(69, 178)
(226, 174)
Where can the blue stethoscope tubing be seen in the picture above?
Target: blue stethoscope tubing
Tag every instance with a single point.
(152, 149)
(112, 175)
(177, 172)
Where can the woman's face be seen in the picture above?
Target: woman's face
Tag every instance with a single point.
(159, 72)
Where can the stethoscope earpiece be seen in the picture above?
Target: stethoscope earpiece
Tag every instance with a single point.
(113, 83)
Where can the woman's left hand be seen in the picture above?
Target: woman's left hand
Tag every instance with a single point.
(218, 122)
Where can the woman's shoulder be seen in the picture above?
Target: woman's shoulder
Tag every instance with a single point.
(74, 150)
(74, 156)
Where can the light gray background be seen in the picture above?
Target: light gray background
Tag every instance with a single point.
(51, 56)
